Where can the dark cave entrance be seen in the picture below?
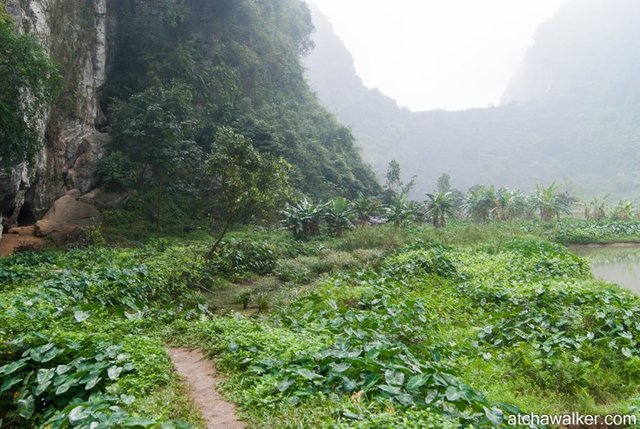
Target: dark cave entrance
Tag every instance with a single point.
(26, 217)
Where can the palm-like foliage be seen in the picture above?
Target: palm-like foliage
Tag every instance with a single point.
(366, 208)
(624, 211)
(511, 205)
(303, 218)
(551, 203)
(597, 208)
(480, 203)
(339, 216)
(400, 210)
(440, 206)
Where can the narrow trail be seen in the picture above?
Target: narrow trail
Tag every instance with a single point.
(202, 380)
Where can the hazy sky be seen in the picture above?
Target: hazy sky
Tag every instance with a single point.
(430, 54)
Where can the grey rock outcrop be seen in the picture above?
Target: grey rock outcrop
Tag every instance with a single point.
(76, 35)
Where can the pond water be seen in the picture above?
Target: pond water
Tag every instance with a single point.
(615, 263)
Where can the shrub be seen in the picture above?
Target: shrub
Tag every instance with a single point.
(296, 270)
(239, 257)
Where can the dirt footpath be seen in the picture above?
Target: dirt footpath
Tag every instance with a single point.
(202, 380)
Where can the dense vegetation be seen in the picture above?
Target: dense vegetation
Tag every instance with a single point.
(29, 81)
(333, 338)
(182, 75)
(364, 308)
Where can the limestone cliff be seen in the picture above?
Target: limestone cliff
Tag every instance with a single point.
(75, 32)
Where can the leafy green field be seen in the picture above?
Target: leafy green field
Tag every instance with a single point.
(382, 327)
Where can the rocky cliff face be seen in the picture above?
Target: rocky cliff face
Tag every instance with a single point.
(76, 33)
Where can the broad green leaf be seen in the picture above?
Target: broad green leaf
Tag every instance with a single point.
(417, 381)
(13, 367)
(42, 387)
(370, 381)
(127, 399)
(348, 384)
(62, 369)
(339, 368)
(81, 316)
(92, 382)
(64, 387)
(394, 378)
(394, 390)
(285, 384)
(78, 414)
(10, 382)
(405, 399)
(454, 394)
(494, 415)
(307, 374)
(26, 407)
(50, 355)
(45, 375)
(114, 372)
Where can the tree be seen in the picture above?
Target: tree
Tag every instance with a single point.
(238, 180)
(598, 208)
(394, 185)
(444, 183)
(400, 210)
(480, 202)
(303, 218)
(439, 206)
(155, 130)
(365, 208)
(624, 211)
(551, 203)
(339, 215)
(29, 82)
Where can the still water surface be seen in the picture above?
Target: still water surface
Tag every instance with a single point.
(615, 263)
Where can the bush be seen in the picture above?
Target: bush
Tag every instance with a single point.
(237, 258)
(296, 270)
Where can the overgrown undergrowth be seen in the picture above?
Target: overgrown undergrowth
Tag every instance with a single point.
(383, 327)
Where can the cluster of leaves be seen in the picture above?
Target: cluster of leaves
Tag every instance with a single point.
(30, 82)
(361, 336)
(523, 292)
(235, 258)
(178, 86)
(48, 377)
(72, 349)
(575, 231)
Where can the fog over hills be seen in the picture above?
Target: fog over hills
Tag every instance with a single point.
(570, 114)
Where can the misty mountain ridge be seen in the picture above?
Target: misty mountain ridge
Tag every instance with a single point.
(570, 114)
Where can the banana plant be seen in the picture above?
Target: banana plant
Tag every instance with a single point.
(365, 208)
(339, 216)
(439, 206)
(303, 218)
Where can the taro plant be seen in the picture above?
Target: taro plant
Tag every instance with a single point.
(339, 216)
(51, 376)
(303, 218)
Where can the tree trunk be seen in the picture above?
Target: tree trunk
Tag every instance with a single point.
(213, 249)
